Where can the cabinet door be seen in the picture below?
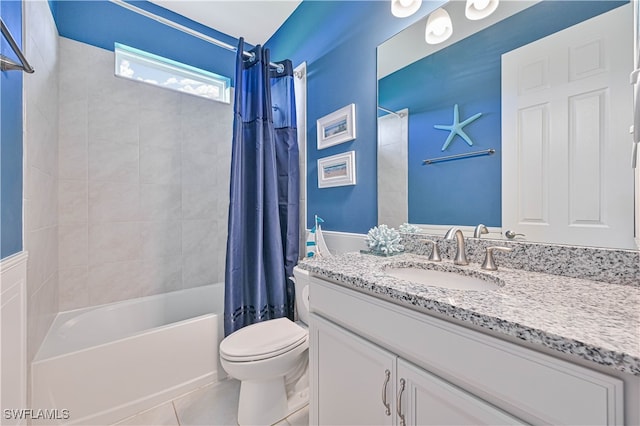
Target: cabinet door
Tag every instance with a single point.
(349, 377)
(425, 399)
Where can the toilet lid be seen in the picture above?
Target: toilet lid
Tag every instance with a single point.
(262, 340)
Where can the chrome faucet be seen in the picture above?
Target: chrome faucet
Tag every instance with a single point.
(480, 229)
(461, 256)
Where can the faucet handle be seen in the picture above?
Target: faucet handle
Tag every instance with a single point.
(489, 263)
(435, 251)
(480, 229)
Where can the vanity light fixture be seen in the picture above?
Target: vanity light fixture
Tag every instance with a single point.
(439, 27)
(480, 9)
(404, 8)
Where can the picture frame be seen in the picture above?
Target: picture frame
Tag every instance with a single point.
(337, 170)
(337, 127)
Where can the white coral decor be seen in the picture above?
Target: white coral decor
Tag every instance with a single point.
(385, 240)
(408, 228)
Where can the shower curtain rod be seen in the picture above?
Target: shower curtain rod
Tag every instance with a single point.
(187, 30)
(7, 64)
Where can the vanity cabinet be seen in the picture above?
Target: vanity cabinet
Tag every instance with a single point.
(356, 384)
(359, 383)
(439, 372)
(425, 399)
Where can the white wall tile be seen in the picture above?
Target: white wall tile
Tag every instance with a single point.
(113, 242)
(160, 166)
(72, 201)
(158, 129)
(113, 201)
(41, 141)
(114, 161)
(74, 290)
(160, 202)
(42, 245)
(74, 71)
(199, 202)
(42, 309)
(110, 282)
(199, 168)
(112, 119)
(41, 193)
(73, 150)
(199, 243)
(161, 239)
(160, 275)
(73, 245)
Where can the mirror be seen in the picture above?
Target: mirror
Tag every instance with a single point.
(421, 86)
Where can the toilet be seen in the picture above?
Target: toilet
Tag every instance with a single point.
(271, 359)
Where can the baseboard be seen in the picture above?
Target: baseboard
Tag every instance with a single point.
(13, 336)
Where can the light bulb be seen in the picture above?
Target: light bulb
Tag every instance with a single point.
(480, 9)
(439, 27)
(404, 8)
(480, 4)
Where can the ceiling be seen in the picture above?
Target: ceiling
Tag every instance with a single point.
(255, 20)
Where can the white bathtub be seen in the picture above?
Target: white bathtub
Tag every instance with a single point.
(108, 362)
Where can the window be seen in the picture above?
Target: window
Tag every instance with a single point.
(149, 68)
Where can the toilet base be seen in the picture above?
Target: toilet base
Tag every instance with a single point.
(265, 402)
(262, 402)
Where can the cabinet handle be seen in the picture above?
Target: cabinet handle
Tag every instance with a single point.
(387, 406)
(399, 408)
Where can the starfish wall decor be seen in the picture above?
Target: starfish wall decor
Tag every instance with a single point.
(456, 127)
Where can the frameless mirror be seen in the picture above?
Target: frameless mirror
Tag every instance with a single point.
(519, 121)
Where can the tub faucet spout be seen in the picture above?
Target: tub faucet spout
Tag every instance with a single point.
(461, 256)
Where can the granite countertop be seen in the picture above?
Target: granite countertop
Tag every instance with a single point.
(596, 321)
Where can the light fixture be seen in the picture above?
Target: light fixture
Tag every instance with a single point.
(404, 8)
(480, 9)
(439, 27)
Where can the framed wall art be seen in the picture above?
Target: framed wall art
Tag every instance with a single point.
(337, 127)
(337, 170)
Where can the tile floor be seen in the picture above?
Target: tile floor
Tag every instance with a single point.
(214, 404)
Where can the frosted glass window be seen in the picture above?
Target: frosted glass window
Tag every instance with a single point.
(152, 69)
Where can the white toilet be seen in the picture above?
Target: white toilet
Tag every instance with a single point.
(270, 359)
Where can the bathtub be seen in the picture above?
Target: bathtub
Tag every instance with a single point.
(101, 364)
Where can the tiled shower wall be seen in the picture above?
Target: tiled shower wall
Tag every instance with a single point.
(144, 184)
(40, 171)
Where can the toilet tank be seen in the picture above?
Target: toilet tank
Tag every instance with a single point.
(301, 279)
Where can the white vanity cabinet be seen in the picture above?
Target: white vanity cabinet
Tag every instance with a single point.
(356, 381)
(359, 383)
(425, 399)
(439, 372)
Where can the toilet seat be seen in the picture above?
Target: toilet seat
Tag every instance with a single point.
(263, 340)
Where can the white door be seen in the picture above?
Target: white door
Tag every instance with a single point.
(351, 379)
(425, 399)
(566, 112)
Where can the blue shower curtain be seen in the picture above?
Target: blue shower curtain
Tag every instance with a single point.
(263, 235)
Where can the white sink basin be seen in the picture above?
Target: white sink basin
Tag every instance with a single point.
(443, 279)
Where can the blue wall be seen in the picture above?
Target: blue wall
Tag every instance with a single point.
(338, 40)
(101, 23)
(11, 138)
(467, 73)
